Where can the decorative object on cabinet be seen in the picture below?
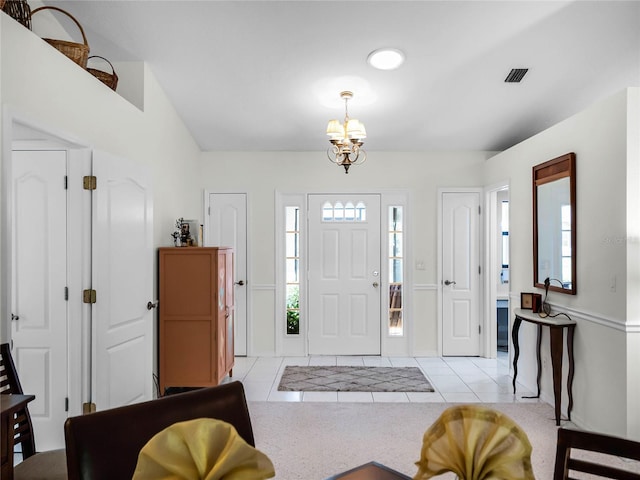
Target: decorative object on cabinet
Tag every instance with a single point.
(77, 52)
(19, 10)
(109, 79)
(526, 300)
(186, 233)
(195, 315)
(536, 303)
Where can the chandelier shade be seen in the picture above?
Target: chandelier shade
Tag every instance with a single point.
(346, 139)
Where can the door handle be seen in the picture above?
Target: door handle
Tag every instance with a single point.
(376, 284)
(449, 282)
(152, 305)
(15, 317)
(239, 282)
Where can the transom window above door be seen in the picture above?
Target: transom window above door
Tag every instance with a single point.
(344, 212)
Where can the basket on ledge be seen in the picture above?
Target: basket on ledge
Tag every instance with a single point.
(19, 10)
(78, 52)
(109, 79)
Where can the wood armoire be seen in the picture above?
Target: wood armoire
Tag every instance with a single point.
(195, 313)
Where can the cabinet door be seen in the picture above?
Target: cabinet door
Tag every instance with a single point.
(188, 317)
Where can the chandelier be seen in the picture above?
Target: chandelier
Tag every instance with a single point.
(346, 139)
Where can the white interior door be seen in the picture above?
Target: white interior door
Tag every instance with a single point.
(461, 273)
(344, 280)
(227, 227)
(39, 278)
(122, 274)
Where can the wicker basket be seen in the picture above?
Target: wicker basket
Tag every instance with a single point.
(109, 79)
(78, 52)
(19, 10)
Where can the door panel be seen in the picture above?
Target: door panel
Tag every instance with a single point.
(460, 267)
(39, 278)
(344, 275)
(227, 227)
(122, 329)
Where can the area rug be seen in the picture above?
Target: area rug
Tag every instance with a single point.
(353, 379)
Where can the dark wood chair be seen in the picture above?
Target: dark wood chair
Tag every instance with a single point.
(51, 464)
(104, 445)
(569, 440)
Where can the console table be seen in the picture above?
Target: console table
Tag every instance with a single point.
(556, 325)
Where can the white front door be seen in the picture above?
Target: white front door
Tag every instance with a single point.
(227, 227)
(344, 279)
(39, 278)
(461, 273)
(122, 275)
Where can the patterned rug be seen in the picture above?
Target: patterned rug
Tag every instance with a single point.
(354, 379)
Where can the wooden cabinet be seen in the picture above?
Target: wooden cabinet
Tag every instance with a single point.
(195, 316)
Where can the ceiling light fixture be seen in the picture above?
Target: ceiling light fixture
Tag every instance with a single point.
(386, 58)
(346, 139)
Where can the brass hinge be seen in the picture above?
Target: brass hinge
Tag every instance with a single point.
(66, 404)
(88, 407)
(66, 293)
(89, 296)
(479, 330)
(66, 182)
(89, 182)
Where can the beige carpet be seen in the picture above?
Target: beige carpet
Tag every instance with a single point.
(312, 441)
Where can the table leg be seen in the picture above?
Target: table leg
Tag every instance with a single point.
(539, 359)
(555, 335)
(570, 332)
(516, 349)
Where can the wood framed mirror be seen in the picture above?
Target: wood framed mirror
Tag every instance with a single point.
(554, 224)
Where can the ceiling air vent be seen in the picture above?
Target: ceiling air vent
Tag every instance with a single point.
(516, 75)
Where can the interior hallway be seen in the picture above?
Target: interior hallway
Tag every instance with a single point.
(455, 379)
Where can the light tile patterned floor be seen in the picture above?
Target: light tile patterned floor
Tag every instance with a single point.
(455, 379)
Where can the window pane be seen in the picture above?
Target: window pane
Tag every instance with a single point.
(395, 310)
(292, 270)
(395, 245)
(293, 219)
(395, 270)
(349, 212)
(395, 218)
(327, 212)
(505, 250)
(566, 244)
(293, 309)
(361, 212)
(338, 211)
(504, 218)
(292, 244)
(566, 270)
(566, 217)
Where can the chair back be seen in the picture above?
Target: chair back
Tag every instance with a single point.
(9, 383)
(569, 439)
(105, 444)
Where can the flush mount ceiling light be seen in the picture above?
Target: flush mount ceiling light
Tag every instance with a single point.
(386, 58)
(346, 139)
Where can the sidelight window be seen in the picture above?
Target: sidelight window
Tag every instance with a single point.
(396, 265)
(293, 269)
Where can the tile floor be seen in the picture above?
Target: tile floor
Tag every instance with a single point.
(455, 379)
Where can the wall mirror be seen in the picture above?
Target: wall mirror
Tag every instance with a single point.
(554, 224)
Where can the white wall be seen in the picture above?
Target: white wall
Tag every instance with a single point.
(39, 84)
(604, 138)
(261, 174)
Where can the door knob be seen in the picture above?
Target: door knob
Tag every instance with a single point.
(375, 284)
(152, 305)
(15, 317)
(449, 282)
(239, 282)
